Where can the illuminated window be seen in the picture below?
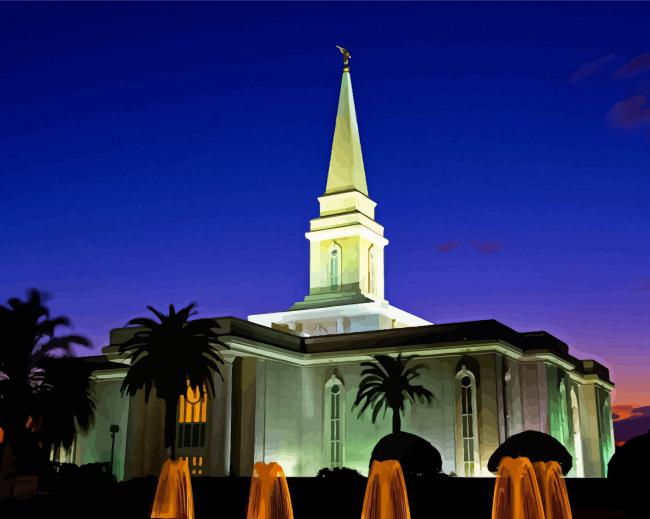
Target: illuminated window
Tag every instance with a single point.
(467, 427)
(335, 266)
(334, 423)
(195, 464)
(577, 436)
(371, 270)
(192, 417)
(564, 419)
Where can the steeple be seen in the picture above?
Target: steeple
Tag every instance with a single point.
(346, 246)
(346, 243)
(346, 171)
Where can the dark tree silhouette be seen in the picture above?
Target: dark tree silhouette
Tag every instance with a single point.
(415, 454)
(628, 473)
(534, 445)
(68, 404)
(386, 384)
(167, 355)
(36, 372)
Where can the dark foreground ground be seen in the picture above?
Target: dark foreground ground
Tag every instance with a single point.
(215, 498)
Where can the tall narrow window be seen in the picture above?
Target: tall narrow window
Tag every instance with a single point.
(606, 434)
(335, 424)
(577, 435)
(334, 421)
(562, 414)
(371, 270)
(467, 428)
(335, 266)
(192, 417)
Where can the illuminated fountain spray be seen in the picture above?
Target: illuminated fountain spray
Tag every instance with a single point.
(269, 495)
(174, 497)
(386, 496)
(516, 492)
(555, 497)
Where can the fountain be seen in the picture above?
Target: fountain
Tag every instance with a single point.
(174, 497)
(386, 496)
(269, 494)
(555, 498)
(516, 492)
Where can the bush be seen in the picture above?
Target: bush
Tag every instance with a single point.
(534, 445)
(415, 454)
(339, 474)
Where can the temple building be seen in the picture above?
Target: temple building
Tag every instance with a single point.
(290, 377)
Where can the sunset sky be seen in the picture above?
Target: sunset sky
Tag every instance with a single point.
(159, 153)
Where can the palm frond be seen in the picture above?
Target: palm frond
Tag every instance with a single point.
(386, 383)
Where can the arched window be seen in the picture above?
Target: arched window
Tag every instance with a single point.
(467, 455)
(335, 265)
(577, 436)
(192, 417)
(371, 270)
(563, 418)
(334, 421)
(606, 435)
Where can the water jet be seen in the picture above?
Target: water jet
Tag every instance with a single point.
(269, 496)
(386, 496)
(174, 498)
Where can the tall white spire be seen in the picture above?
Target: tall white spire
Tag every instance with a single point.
(346, 171)
(346, 246)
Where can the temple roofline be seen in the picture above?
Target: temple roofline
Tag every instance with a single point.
(429, 338)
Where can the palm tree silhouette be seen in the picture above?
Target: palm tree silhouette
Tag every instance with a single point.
(386, 383)
(36, 370)
(168, 355)
(67, 404)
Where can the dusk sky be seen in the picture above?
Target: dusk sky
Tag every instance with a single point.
(172, 153)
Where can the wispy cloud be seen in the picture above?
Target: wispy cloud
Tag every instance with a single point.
(486, 246)
(625, 412)
(630, 421)
(590, 68)
(643, 285)
(634, 67)
(482, 246)
(449, 246)
(629, 114)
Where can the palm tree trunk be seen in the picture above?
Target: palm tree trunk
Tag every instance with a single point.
(397, 421)
(170, 426)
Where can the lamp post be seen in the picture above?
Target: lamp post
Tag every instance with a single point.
(114, 430)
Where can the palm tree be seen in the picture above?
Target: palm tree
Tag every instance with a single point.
(386, 383)
(67, 404)
(168, 355)
(35, 364)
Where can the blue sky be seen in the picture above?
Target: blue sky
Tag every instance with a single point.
(157, 153)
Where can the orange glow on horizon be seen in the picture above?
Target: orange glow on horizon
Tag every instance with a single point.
(623, 412)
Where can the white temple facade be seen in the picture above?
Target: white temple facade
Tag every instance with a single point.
(291, 376)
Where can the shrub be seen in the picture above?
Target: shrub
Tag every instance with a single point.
(339, 473)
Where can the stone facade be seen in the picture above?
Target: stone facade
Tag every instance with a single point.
(291, 377)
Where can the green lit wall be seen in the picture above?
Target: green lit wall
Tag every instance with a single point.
(95, 446)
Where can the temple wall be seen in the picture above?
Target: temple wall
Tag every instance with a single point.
(145, 449)
(590, 431)
(514, 400)
(488, 417)
(112, 408)
(219, 424)
(534, 396)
